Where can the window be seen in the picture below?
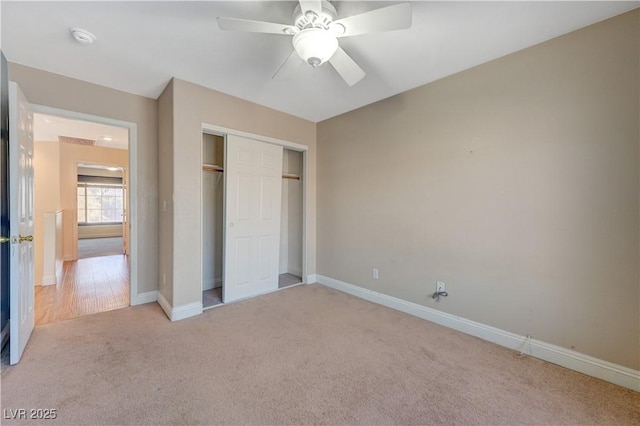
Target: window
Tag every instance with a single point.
(100, 200)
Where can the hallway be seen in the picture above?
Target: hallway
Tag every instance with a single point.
(89, 286)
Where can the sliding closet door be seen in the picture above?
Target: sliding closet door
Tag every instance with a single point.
(253, 192)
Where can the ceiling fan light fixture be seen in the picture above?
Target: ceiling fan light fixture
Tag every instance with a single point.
(315, 46)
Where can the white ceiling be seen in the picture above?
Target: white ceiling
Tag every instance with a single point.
(141, 45)
(48, 128)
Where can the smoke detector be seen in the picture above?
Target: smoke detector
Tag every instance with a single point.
(82, 36)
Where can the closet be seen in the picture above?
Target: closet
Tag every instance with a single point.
(291, 215)
(212, 217)
(247, 256)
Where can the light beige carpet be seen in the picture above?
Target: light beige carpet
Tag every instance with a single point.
(307, 354)
(95, 247)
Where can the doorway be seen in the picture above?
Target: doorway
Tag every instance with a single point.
(289, 247)
(101, 210)
(80, 199)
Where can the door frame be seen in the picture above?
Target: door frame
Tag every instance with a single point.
(216, 130)
(133, 183)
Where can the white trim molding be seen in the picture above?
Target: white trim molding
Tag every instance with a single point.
(617, 374)
(311, 278)
(221, 131)
(180, 312)
(48, 280)
(142, 298)
(164, 304)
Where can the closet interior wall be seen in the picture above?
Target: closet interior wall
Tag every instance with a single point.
(291, 214)
(212, 202)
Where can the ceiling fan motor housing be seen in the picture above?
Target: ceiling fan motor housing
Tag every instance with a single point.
(312, 20)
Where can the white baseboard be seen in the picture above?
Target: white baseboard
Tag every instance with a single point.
(180, 312)
(4, 337)
(48, 280)
(311, 278)
(148, 297)
(186, 311)
(617, 374)
(164, 304)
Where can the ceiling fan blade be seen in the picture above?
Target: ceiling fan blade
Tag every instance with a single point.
(311, 6)
(395, 17)
(346, 67)
(232, 24)
(288, 67)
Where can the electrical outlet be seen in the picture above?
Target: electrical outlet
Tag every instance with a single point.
(439, 287)
(375, 274)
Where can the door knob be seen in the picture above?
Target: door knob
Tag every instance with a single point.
(5, 239)
(22, 239)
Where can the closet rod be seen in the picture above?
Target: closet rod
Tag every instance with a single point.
(214, 168)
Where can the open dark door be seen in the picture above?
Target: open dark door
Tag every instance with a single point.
(4, 200)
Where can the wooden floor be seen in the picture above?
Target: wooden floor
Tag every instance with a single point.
(89, 286)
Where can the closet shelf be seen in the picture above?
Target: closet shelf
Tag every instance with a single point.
(215, 168)
(211, 168)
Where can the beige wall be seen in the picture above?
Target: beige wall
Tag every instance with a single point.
(44, 88)
(46, 191)
(515, 182)
(192, 106)
(165, 184)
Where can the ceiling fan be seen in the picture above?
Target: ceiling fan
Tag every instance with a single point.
(315, 32)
